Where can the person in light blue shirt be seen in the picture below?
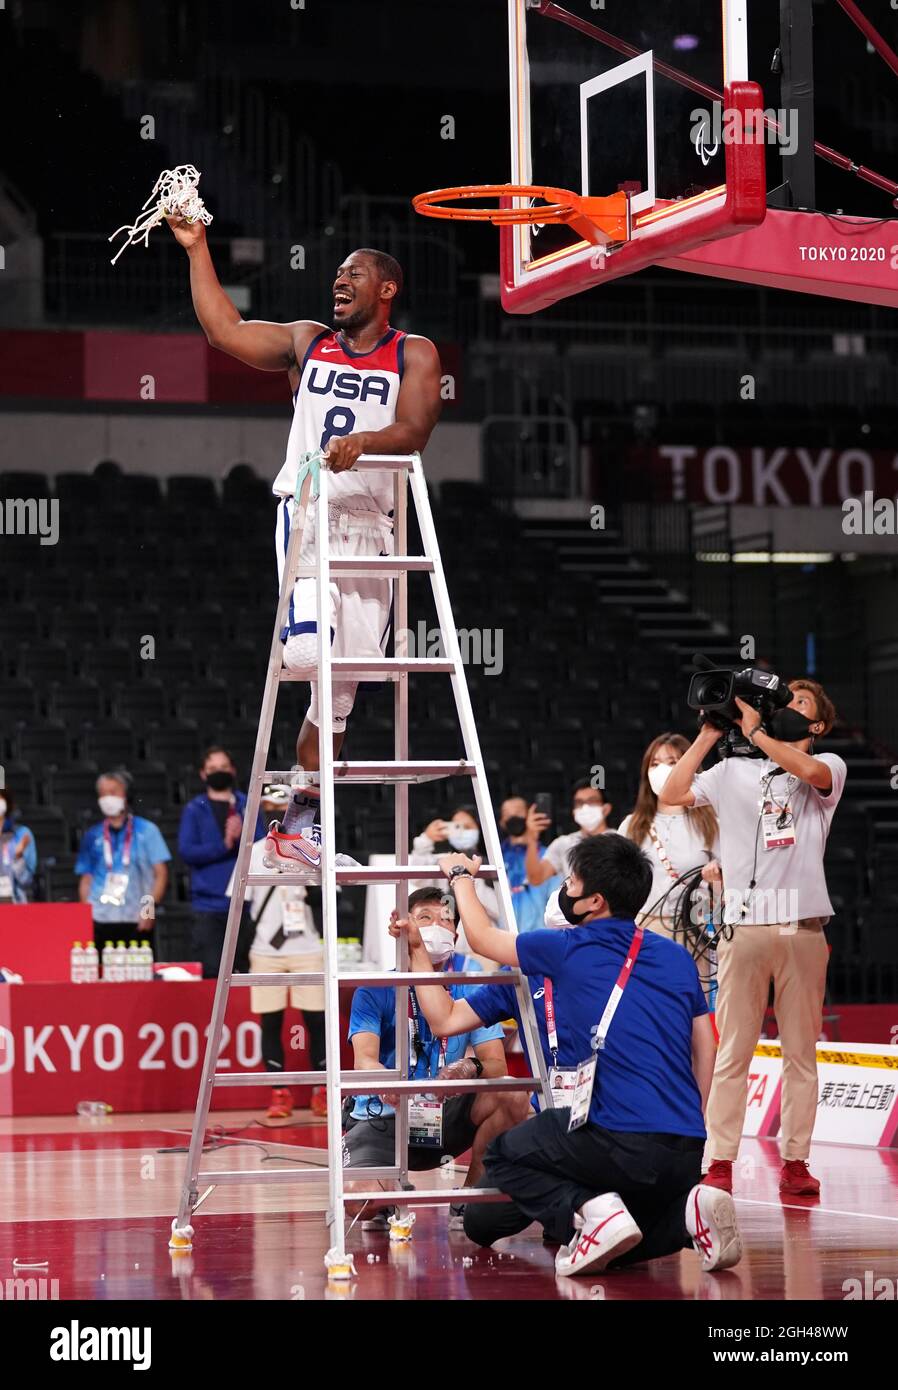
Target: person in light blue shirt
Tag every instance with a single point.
(18, 853)
(467, 1121)
(528, 899)
(122, 864)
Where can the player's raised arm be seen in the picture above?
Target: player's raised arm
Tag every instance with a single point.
(269, 346)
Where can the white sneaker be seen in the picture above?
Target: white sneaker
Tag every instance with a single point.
(711, 1222)
(287, 853)
(605, 1230)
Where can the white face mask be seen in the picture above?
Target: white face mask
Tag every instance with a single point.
(439, 943)
(462, 839)
(2, 807)
(658, 775)
(111, 805)
(553, 915)
(589, 817)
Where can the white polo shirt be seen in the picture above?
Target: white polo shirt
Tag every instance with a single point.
(790, 882)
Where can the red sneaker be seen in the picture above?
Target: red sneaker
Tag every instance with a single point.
(319, 1102)
(281, 1107)
(797, 1181)
(720, 1174)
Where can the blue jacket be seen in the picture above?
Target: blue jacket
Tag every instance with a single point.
(201, 845)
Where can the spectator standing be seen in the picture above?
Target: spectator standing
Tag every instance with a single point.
(18, 853)
(590, 810)
(285, 939)
(122, 864)
(208, 839)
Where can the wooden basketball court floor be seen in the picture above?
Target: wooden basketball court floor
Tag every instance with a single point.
(94, 1199)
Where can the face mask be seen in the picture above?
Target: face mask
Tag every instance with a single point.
(439, 943)
(789, 726)
(515, 825)
(566, 907)
(589, 817)
(111, 805)
(220, 781)
(658, 776)
(462, 840)
(2, 808)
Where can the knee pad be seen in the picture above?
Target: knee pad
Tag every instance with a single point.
(343, 701)
(301, 655)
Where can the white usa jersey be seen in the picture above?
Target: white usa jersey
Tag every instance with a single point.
(344, 392)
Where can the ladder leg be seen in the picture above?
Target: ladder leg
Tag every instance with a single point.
(473, 752)
(329, 881)
(401, 745)
(189, 1192)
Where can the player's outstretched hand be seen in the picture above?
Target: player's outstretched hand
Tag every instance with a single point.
(343, 450)
(447, 863)
(187, 234)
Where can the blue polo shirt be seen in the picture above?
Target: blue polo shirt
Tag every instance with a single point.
(644, 1080)
(374, 1011)
(147, 849)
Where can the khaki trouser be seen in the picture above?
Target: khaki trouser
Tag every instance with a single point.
(794, 956)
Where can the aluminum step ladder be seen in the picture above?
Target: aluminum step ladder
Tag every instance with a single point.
(401, 772)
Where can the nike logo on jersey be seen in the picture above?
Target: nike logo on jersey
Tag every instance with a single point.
(336, 349)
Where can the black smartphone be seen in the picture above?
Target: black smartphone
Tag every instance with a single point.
(543, 803)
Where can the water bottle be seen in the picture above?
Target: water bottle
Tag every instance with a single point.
(133, 962)
(91, 963)
(107, 961)
(148, 972)
(92, 1108)
(76, 964)
(121, 956)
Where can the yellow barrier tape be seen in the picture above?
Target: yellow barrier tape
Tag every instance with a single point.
(842, 1059)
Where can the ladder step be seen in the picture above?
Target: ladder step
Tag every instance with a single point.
(285, 1175)
(422, 1195)
(363, 1082)
(386, 978)
(361, 873)
(385, 668)
(386, 771)
(384, 566)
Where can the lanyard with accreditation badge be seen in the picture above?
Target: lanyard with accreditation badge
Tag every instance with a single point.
(561, 1080)
(586, 1071)
(115, 885)
(425, 1111)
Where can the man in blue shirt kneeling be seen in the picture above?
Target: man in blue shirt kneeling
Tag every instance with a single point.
(624, 1185)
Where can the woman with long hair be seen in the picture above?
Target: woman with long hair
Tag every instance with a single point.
(675, 838)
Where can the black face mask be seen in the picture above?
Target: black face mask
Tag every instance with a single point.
(566, 903)
(789, 726)
(220, 781)
(515, 825)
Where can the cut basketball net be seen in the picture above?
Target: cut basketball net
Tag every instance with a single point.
(175, 195)
(598, 220)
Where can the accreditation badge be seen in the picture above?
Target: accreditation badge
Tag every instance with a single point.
(777, 826)
(562, 1084)
(581, 1099)
(425, 1122)
(114, 890)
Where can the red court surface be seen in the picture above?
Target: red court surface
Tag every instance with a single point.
(95, 1199)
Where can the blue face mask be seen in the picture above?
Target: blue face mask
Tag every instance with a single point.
(463, 840)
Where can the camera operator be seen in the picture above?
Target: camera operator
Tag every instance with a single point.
(775, 804)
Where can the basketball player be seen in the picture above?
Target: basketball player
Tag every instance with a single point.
(360, 387)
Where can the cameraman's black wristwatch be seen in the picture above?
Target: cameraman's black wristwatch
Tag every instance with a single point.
(478, 1064)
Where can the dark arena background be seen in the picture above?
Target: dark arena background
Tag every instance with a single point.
(667, 444)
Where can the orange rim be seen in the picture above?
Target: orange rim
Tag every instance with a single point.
(560, 203)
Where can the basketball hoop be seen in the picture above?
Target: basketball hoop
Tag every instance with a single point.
(599, 220)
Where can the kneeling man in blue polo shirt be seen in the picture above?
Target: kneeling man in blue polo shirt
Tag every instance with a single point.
(615, 1176)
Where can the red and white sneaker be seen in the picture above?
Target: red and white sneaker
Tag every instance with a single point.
(286, 853)
(281, 1107)
(604, 1230)
(720, 1174)
(711, 1222)
(319, 1102)
(796, 1180)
